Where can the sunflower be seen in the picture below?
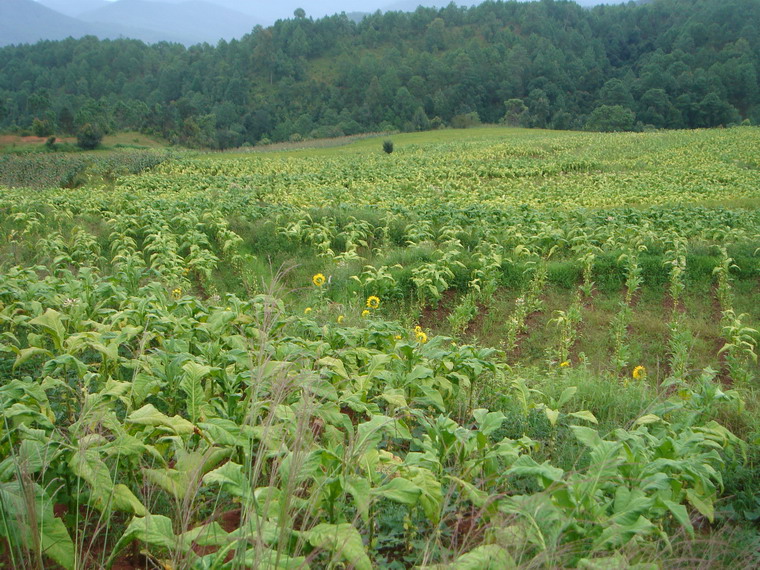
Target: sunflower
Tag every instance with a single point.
(307, 310)
(639, 372)
(177, 293)
(564, 364)
(318, 280)
(373, 302)
(340, 318)
(365, 313)
(421, 336)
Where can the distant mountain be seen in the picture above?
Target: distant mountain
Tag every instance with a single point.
(357, 16)
(26, 21)
(189, 22)
(411, 5)
(73, 8)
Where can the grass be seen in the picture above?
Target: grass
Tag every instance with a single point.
(130, 139)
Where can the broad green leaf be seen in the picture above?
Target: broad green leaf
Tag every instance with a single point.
(359, 489)
(475, 495)
(56, 543)
(144, 385)
(335, 365)
(399, 490)
(230, 477)
(19, 414)
(703, 504)
(430, 398)
(629, 505)
(680, 513)
(371, 432)
(616, 536)
(124, 500)
(170, 480)
(342, 539)
(33, 455)
(86, 463)
(26, 353)
(395, 398)
(527, 466)
(196, 371)
(65, 360)
(566, 395)
(211, 534)
(193, 388)
(485, 557)
(263, 558)
(615, 562)
(148, 415)
(53, 536)
(153, 530)
(552, 416)
(647, 419)
(488, 422)
(584, 415)
(587, 436)
(418, 373)
(52, 323)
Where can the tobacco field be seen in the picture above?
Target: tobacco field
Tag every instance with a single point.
(492, 348)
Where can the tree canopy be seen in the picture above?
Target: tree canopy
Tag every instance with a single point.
(664, 64)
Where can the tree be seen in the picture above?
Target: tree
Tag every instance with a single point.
(434, 36)
(299, 13)
(89, 136)
(66, 120)
(41, 128)
(517, 113)
(611, 118)
(615, 92)
(714, 111)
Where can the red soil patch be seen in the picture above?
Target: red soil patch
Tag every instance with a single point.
(15, 139)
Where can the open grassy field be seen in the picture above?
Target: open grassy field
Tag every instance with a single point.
(490, 348)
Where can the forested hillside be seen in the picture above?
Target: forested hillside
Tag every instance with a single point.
(665, 64)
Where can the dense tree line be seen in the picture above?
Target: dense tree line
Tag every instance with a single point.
(665, 64)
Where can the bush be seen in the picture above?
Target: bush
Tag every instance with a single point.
(89, 136)
(41, 128)
(388, 146)
(466, 120)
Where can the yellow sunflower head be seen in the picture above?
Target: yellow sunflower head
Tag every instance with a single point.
(340, 318)
(639, 372)
(318, 280)
(564, 364)
(307, 310)
(365, 313)
(373, 302)
(421, 337)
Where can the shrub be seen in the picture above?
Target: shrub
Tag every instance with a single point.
(388, 146)
(41, 128)
(465, 120)
(89, 136)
